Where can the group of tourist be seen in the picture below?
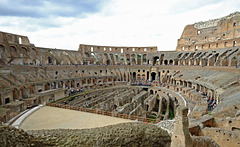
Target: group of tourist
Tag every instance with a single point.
(141, 83)
(73, 91)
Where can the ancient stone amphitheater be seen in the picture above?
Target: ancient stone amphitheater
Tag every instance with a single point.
(187, 97)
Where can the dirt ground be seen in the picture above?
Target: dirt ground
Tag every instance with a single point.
(56, 118)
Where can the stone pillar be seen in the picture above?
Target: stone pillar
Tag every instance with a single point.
(167, 111)
(181, 136)
(160, 106)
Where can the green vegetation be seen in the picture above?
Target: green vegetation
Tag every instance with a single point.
(171, 114)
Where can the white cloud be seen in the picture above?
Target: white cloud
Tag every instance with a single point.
(122, 23)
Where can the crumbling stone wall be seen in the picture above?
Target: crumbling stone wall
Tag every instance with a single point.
(126, 134)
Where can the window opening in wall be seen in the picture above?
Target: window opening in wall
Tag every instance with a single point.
(138, 70)
(133, 49)
(182, 48)
(82, 71)
(20, 40)
(110, 49)
(205, 37)
(196, 48)
(234, 24)
(56, 72)
(202, 46)
(91, 49)
(216, 44)
(209, 46)
(143, 70)
(223, 34)
(189, 47)
(121, 50)
(225, 44)
(100, 71)
(145, 49)
(234, 43)
(104, 49)
(7, 100)
(198, 32)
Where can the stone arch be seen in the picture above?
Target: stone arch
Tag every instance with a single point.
(72, 84)
(133, 58)
(155, 60)
(60, 84)
(151, 91)
(139, 77)
(128, 59)
(225, 62)
(89, 81)
(104, 80)
(24, 51)
(31, 88)
(143, 77)
(2, 49)
(134, 76)
(165, 62)
(153, 76)
(83, 81)
(47, 86)
(16, 94)
(108, 62)
(139, 59)
(24, 92)
(67, 84)
(124, 77)
(171, 62)
(144, 59)
(13, 51)
(94, 81)
(234, 61)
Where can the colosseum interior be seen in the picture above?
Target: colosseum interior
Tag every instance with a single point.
(193, 93)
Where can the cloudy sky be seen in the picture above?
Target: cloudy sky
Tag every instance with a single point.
(64, 24)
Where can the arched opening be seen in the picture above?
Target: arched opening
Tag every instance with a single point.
(234, 61)
(89, 80)
(144, 59)
(133, 59)
(134, 76)
(138, 77)
(47, 86)
(60, 84)
(31, 89)
(13, 51)
(24, 92)
(139, 57)
(20, 40)
(2, 49)
(94, 81)
(165, 62)
(124, 76)
(15, 94)
(155, 60)
(153, 76)
(104, 80)
(108, 62)
(50, 61)
(170, 62)
(151, 91)
(72, 84)
(143, 77)
(67, 84)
